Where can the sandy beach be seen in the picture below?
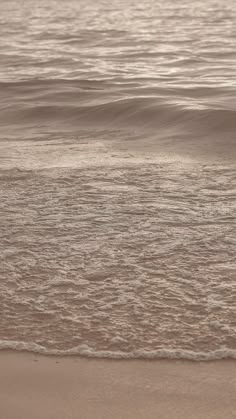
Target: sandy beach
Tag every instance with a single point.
(38, 387)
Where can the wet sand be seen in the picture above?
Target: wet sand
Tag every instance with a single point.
(38, 387)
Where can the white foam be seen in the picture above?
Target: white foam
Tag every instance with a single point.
(86, 351)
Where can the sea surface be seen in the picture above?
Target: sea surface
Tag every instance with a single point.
(118, 178)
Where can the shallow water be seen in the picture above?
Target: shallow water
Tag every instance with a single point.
(117, 178)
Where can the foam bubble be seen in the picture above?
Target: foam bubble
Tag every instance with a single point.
(85, 351)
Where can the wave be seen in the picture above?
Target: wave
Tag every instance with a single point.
(86, 351)
(145, 113)
(167, 119)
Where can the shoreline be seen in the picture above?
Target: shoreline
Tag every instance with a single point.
(58, 387)
(83, 352)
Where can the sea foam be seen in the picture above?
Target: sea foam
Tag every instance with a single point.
(86, 351)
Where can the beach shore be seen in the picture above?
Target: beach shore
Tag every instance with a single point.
(39, 387)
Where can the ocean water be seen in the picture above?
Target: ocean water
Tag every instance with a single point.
(117, 178)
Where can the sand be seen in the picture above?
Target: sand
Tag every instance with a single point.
(40, 387)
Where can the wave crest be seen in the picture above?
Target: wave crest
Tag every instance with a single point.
(103, 104)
